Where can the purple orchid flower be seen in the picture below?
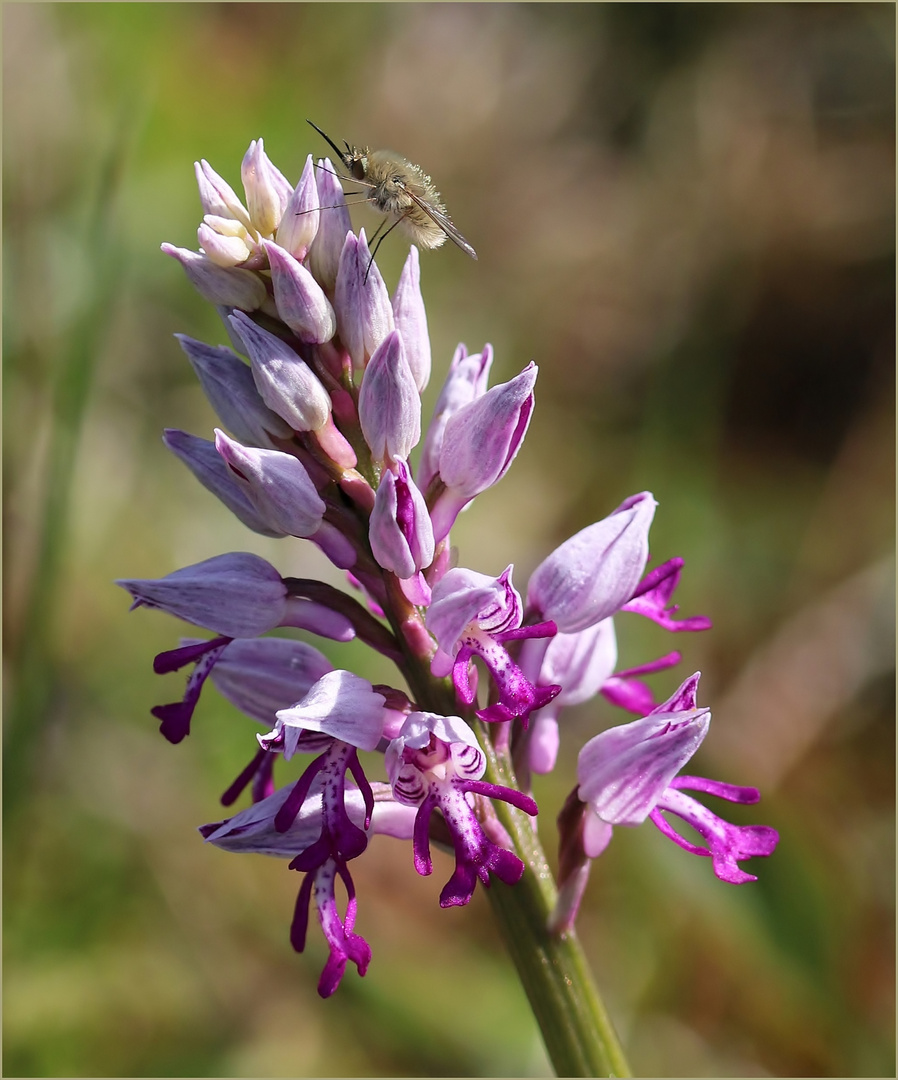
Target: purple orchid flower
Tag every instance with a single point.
(434, 763)
(322, 423)
(627, 774)
(255, 830)
(474, 615)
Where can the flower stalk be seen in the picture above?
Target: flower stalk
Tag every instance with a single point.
(578, 1033)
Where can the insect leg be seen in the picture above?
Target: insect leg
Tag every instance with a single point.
(381, 240)
(377, 230)
(333, 206)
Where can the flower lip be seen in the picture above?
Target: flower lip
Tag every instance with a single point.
(727, 844)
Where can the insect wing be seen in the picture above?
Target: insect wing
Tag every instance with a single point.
(444, 223)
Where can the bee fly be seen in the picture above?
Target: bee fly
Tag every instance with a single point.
(403, 193)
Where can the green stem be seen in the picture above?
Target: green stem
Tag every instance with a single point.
(579, 1037)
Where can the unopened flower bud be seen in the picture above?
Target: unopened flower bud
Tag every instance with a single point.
(217, 196)
(479, 443)
(208, 466)
(228, 384)
(267, 190)
(228, 286)
(467, 380)
(286, 382)
(594, 573)
(300, 300)
(277, 484)
(237, 595)
(411, 319)
(389, 403)
(223, 248)
(400, 531)
(299, 225)
(333, 225)
(364, 314)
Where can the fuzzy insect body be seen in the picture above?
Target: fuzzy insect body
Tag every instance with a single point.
(403, 193)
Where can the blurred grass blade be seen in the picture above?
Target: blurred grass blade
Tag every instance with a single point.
(35, 684)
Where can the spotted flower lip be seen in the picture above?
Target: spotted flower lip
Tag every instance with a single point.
(339, 839)
(473, 615)
(320, 824)
(418, 731)
(436, 762)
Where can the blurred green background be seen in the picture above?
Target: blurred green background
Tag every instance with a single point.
(685, 214)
